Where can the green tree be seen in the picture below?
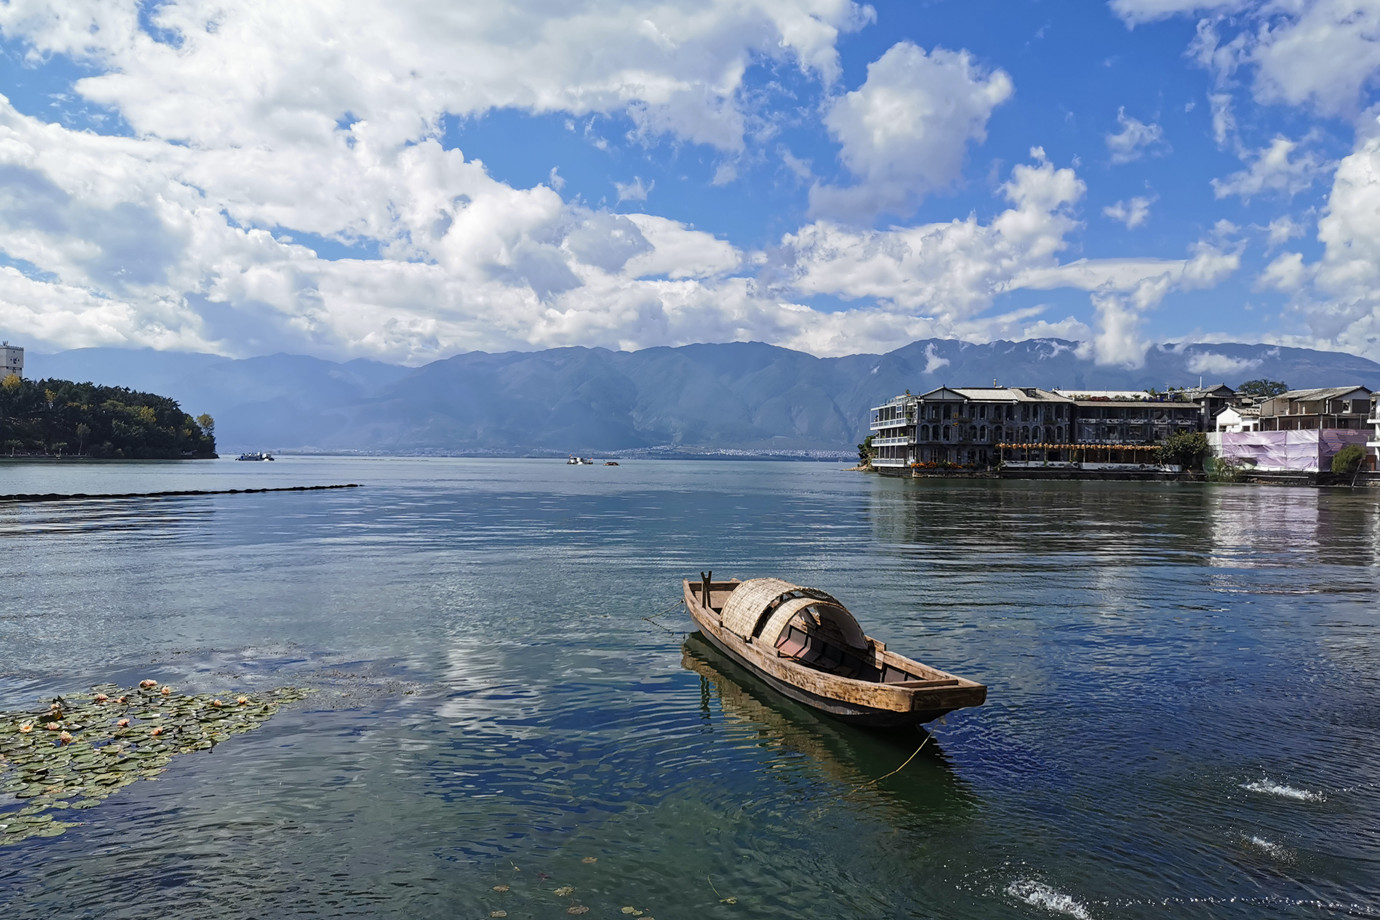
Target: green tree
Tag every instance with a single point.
(866, 452)
(1349, 459)
(48, 416)
(207, 425)
(1262, 388)
(1187, 449)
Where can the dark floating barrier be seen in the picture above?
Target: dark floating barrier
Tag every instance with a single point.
(82, 496)
(84, 747)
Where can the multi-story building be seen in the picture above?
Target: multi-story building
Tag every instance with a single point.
(984, 426)
(1126, 417)
(966, 425)
(1374, 421)
(1317, 410)
(11, 360)
(1210, 401)
(893, 432)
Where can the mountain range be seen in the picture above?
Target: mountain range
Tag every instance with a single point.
(742, 398)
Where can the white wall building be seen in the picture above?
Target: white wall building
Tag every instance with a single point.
(1374, 442)
(11, 360)
(1237, 419)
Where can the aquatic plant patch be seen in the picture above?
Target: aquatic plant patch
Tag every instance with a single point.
(79, 749)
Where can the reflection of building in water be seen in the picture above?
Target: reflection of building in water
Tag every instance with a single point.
(1249, 526)
(1252, 527)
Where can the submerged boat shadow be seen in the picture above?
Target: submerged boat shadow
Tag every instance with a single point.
(862, 761)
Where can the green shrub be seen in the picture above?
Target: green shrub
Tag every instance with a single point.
(1348, 459)
(1186, 449)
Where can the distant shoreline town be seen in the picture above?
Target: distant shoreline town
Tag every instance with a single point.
(1262, 431)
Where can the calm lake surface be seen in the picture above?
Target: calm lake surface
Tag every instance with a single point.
(1183, 716)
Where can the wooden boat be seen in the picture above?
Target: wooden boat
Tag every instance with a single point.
(806, 645)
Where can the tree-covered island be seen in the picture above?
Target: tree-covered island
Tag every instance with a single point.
(59, 418)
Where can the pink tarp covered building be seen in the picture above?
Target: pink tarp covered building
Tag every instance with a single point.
(1295, 451)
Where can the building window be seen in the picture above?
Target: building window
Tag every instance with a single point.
(946, 432)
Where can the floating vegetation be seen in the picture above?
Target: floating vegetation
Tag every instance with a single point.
(571, 901)
(82, 748)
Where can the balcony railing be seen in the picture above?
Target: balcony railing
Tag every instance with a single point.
(879, 423)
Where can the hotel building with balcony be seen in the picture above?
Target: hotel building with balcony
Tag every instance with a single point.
(983, 427)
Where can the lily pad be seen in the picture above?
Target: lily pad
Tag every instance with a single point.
(95, 754)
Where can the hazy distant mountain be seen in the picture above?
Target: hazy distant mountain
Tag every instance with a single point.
(739, 396)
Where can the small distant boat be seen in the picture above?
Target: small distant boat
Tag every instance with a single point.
(806, 645)
(579, 461)
(257, 455)
(610, 463)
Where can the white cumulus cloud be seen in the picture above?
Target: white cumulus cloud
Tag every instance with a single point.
(1132, 213)
(947, 270)
(904, 133)
(1135, 139)
(1271, 170)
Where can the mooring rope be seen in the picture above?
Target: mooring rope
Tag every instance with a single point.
(651, 618)
(873, 782)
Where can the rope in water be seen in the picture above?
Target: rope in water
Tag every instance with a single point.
(898, 769)
(651, 618)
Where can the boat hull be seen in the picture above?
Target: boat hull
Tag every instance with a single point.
(862, 703)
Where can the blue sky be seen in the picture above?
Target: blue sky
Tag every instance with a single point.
(408, 180)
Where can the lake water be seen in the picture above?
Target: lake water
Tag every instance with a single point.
(1183, 716)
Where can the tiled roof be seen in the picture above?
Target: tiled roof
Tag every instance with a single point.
(1321, 393)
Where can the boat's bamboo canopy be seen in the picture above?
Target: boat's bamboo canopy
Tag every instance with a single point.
(760, 609)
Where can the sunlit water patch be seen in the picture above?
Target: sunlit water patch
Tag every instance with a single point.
(1038, 894)
(1281, 790)
(1269, 847)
